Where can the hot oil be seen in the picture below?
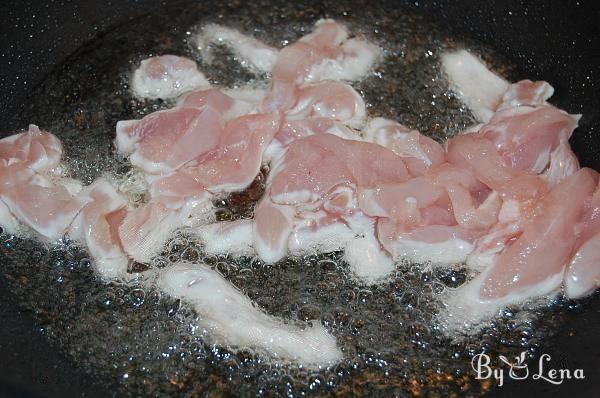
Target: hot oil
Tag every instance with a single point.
(142, 342)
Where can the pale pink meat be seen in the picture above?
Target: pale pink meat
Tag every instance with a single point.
(525, 137)
(419, 152)
(544, 246)
(527, 93)
(583, 272)
(479, 155)
(331, 100)
(166, 76)
(273, 224)
(236, 161)
(43, 202)
(35, 149)
(296, 62)
(314, 165)
(97, 225)
(166, 140)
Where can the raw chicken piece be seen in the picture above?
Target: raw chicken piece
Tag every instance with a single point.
(321, 108)
(237, 158)
(479, 155)
(583, 272)
(252, 52)
(356, 59)
(563, 163)
(8, 223)
(273, 225)
(312, 202)
(38, 150)
(146, 229)
(97, 225)
(533, 263)
(183, 198)
(418, 151)
(478, 87)
(527, 93)
(318, 56)
(330, 100)
(400, 201)
(232, 320)
(484, 92)
(291, 130)
(166, 76)
(525, 137)
(164, 141)
(312, 166)
(46, 207)
(230, 103)
(296, 60)
(439, 245)
(31, 189)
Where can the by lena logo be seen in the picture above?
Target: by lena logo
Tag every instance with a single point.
(519, 369)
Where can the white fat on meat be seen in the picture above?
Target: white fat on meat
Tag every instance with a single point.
(166, 76)
(448, 252)
(232, 320)
(10, 225)
(357, 58)
(478, 87)
(227, 237)
(145, 230)
(326, 238)
(367, 260)
(465, 310)
(252, 52)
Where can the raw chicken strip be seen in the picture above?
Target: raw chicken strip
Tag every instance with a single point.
(97, 225)
(30, 190)
(527, 93)
(273, 225)
(166, 76)
(533, 264)
(477, 86)
(330, 100)
(525, 136)
(583, 272)
(419, 152)
(320, 55)
(252, 52)
(230, 103)
(480, 156)
(237, 160)
(356, 59)
(38, 150)
(232, 320)
(166, 140)
(146, 229)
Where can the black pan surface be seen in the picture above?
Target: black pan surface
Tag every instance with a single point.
(555, 41)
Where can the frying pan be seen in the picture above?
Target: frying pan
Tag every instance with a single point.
(555, 41)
